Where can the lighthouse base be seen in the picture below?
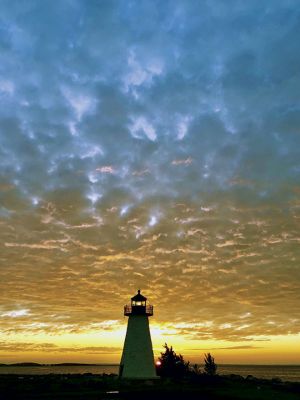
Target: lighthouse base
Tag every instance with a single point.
(137, 360)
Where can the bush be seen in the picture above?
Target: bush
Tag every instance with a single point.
(195, 369)
(210, 367)
(172, 365)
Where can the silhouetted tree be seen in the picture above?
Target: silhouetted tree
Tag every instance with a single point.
(210, 367)
(172, 365)
(195, 369)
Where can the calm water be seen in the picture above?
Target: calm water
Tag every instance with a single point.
(71, 369)
(284, 372)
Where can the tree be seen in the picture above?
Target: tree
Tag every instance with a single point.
(195, 369)
(210, 367)
(171, 365)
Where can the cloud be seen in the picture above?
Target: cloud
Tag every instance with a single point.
(6, 87)
(141, 126)
(80, 103)
(155, 148)
(187, 161)
(139, 74)
(242, 347)
(13, 347)
(106, 169)
(15, 313)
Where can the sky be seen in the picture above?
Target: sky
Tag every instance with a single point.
(150, 145)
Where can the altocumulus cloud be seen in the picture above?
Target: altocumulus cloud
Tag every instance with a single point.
(153, 145)
(52, 348)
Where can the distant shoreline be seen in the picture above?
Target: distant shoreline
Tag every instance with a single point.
(283, 372)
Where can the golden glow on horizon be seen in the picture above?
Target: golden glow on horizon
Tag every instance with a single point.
(105, 347)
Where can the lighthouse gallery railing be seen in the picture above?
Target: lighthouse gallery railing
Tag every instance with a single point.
(138, 310)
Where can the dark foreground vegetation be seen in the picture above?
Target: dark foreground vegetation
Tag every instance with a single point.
(178, 379)
(101, 387)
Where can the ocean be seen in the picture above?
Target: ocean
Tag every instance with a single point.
(284, 372)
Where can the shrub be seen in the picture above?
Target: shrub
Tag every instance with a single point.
(210, 367)
(172, 365)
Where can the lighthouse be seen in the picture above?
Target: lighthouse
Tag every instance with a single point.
(137, 358)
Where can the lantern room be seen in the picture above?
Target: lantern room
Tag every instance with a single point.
(138, 306)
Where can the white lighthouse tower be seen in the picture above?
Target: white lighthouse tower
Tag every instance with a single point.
(137, 358)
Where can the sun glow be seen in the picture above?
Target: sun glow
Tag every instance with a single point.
(105, 345)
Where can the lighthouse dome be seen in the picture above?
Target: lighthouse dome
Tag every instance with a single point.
(138, 297)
